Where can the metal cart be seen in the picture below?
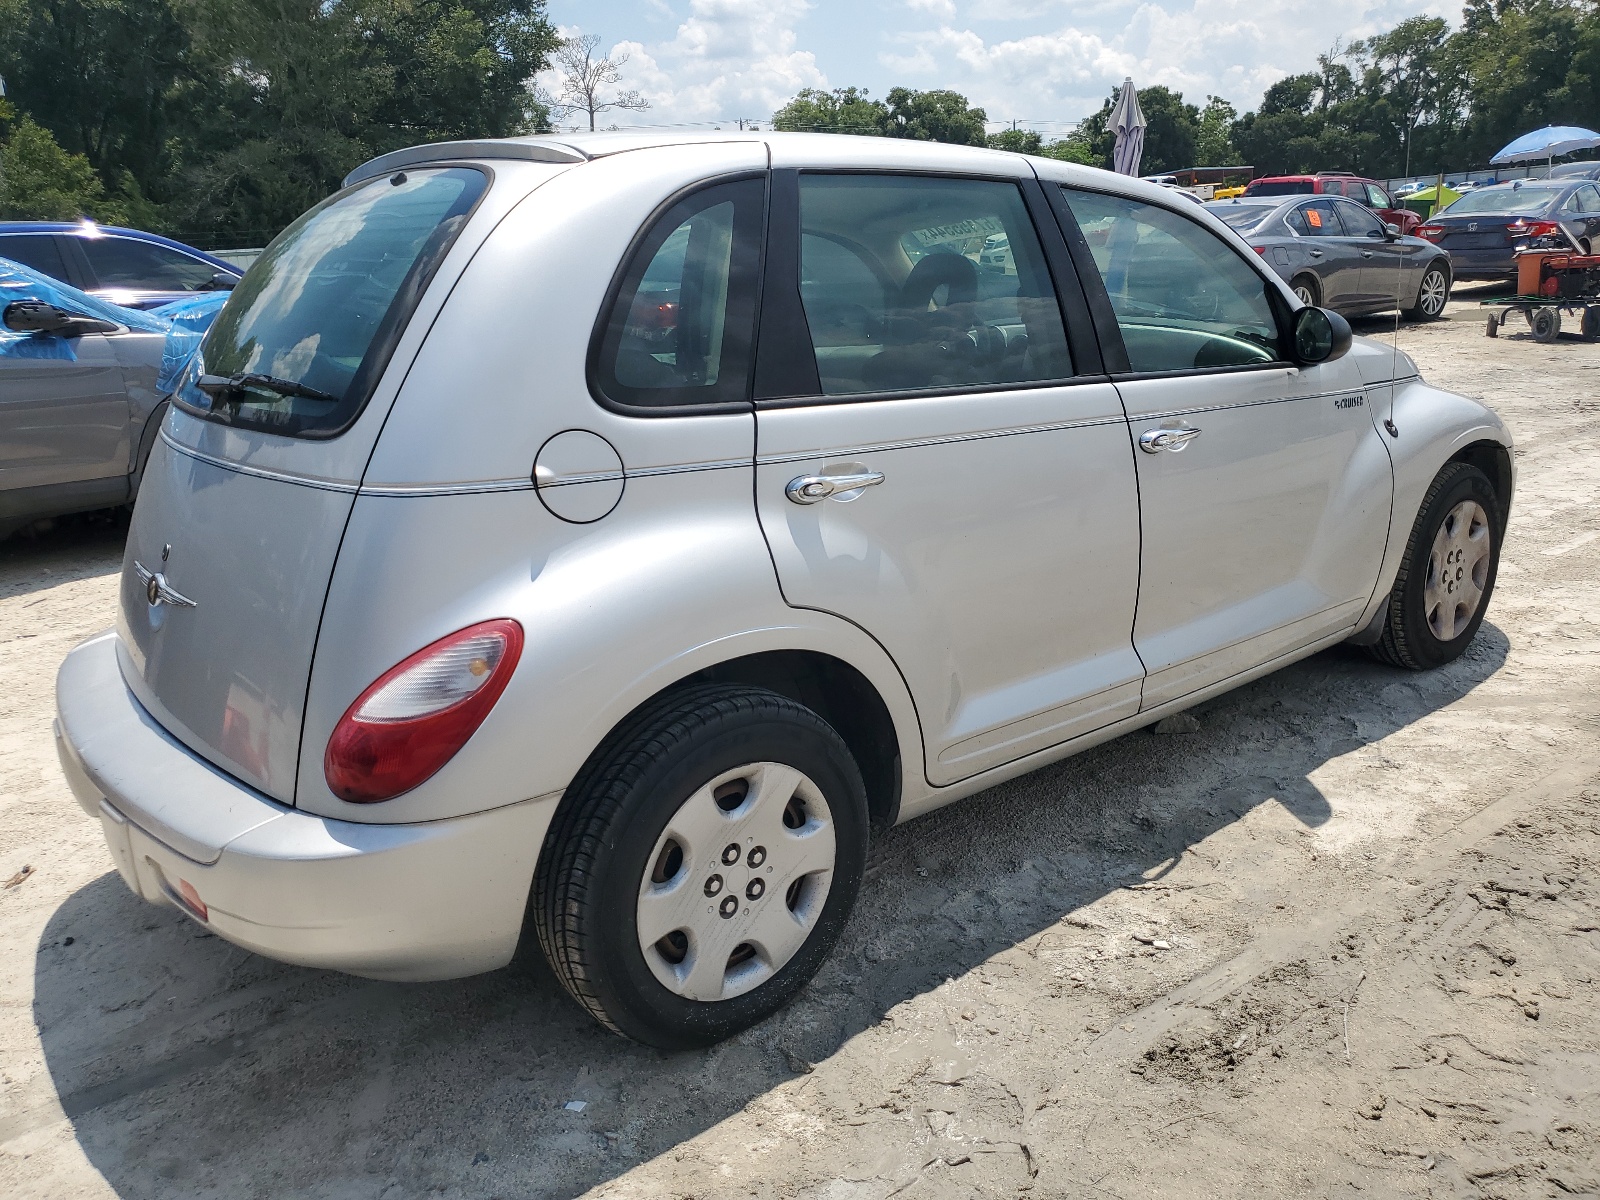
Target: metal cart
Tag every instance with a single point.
(1548, 285)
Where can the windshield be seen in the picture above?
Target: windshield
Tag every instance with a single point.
(1242, 216)
(1502, 200)
(1281, 187)
(322, 306)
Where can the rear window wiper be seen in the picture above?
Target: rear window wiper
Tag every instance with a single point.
(219, 385)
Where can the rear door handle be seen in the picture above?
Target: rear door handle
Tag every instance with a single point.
(813, 489)
(1154, 441)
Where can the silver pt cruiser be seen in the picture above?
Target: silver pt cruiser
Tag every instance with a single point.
(606, 536)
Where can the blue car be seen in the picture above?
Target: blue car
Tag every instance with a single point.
(123, 266)
(1484, 229)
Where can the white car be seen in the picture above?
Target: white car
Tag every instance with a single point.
(607, 536)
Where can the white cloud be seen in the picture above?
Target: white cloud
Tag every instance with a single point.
(1231, 48)
(944, 10)
(728, 59)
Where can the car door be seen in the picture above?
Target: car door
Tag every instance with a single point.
(1580, 216)
(63, 410)
(937, 464)
(1264, 488)
(1390, 270)
(1333, 258)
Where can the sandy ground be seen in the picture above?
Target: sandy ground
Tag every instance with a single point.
(1344, 939)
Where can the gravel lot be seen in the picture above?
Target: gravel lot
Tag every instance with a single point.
(1344, 938)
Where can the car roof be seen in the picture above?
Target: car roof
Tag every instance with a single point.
(847, 149)
(93, 229)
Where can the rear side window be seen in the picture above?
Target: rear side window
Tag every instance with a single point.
(1184, 299)
(120, 262)
(308, 331)
(1377, 197)
(682, 326)
(36, 250)
(1317, 219)
(911, 283)
(1281, 187)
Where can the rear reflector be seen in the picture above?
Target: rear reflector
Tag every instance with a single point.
(191, 898)
(415, 716)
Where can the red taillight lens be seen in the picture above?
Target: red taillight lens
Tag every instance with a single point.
(1259, 249)
(1432, 232)
(409, 723)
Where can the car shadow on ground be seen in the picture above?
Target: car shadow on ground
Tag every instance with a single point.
(189, 1067)
(58, 549)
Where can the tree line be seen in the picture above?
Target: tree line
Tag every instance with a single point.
(222, 120)
(219, 121)
(1418, 99)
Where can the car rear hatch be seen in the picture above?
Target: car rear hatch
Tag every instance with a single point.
(248, 489)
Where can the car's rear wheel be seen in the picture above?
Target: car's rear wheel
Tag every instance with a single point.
(1305, 287)
(1448, 572)
(1432, 295)
(703, 865)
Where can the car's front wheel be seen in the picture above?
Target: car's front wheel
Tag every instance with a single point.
(1432, 295)
(1447, 576)
(703, 865)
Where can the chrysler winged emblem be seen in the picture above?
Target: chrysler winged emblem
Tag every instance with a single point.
(156, 588)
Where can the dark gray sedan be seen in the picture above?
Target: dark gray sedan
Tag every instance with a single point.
(1339, 255)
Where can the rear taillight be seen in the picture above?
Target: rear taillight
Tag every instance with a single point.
(1432, 232)
(409, 723)
(1522, 227)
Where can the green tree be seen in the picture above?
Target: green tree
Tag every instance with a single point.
(1018, 141)
(843, 110)
(936, 116)
(1213, 146)
(39, 181)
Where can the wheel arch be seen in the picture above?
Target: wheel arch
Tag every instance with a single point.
(1494, 460)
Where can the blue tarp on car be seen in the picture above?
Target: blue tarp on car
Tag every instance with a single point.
(184, 322)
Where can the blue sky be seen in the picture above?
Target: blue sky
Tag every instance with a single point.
(1045, 63)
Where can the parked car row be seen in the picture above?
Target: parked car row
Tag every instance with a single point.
(600, 540)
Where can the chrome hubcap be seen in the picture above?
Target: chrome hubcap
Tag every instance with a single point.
(1433, 293)
(737, 881)
(1458, 570)
(1306, 297)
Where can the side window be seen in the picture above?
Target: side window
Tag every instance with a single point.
(1358, 221)
(1377, 197)
(120, 262)
(35, 250)
(1332, 187)
(1321, 219)
(1590, 202)
(910, 283)
(681, 327)
(1183, 297)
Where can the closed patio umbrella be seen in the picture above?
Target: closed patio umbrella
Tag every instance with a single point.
(1128, 123)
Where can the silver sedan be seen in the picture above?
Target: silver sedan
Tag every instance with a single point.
(1339, 255)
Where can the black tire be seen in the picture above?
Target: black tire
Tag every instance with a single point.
(1424, 309)
(1407, 640)
(595, 857)
(1546, 324)
(1590, 328)
(1307, 289)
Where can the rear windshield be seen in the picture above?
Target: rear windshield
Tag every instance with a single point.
(1281, 187)
(1502, 200)
(303, 338)
(1242, 216)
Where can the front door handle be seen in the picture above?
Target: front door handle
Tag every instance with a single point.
(1154, 441)
(813, 489)
(1316, 253)
(1366, 254)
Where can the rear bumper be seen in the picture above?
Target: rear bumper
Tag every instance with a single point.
(434, 900)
